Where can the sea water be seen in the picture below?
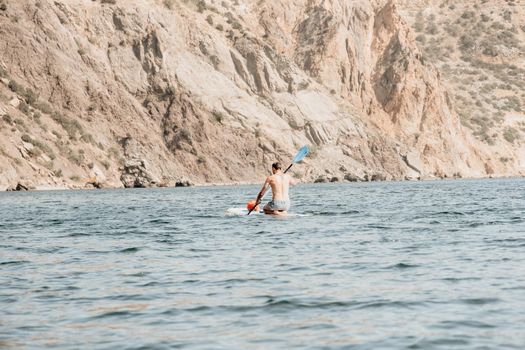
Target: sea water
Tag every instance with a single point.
(420, 265)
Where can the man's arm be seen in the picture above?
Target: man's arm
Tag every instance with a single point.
(263, 190)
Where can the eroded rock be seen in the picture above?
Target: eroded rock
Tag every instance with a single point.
(378, 177)
(136, 175)
(22, 185)
(321, 179)
(353, 178)
(183, 183)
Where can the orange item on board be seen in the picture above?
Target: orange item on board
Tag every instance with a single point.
(250, 205)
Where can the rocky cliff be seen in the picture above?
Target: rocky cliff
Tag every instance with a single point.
(159, 93)
(479, 49)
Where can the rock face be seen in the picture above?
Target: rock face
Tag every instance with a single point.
(478, 47)
(153, 92)
(23, 185)
(135, 174)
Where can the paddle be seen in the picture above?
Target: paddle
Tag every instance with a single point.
(298, 157)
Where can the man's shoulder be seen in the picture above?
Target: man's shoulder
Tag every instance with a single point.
(284, 177)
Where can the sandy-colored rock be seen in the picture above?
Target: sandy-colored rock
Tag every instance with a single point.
(160, 97)
(14, 102)
(135, 173)
(22, 185)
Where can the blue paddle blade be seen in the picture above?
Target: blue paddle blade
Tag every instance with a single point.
(301, 154)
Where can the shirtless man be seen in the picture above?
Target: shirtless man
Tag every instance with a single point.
(280, 182)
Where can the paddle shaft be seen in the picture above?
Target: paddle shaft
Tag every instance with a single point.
(257, 203)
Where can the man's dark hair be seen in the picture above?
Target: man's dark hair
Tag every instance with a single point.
(276, 166)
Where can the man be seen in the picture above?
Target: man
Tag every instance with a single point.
(280, 183)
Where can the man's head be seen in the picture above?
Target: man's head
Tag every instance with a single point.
(276, 167)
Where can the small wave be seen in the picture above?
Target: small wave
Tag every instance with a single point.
(14, 262)
(459, 279)
(479, 301)
(514, 288)
(294, 304)
(289, 304)
(191, 281)
(205, 216)
(53, 222)
(136, 274)
(130, 250)
(401, 266)
(131, 297)
(333, 213)
(151, 284)
(506, 240)
(298, 268)
(33, 328)
(52, 250)
(381, 227)
(387, 303)
(78, 234)
(485, 223)
(242, 280)
(324, 213)
(448, 213)
(71, 288)
(426, 344)
(158, 221)
(271, 305)
(463, 323)
(120, 313)
(322, 274)
(318, 326)
(349, 212)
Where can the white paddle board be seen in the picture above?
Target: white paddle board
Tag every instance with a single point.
(244, 212)
(241, 212)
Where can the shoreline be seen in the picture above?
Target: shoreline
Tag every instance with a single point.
(44, 188)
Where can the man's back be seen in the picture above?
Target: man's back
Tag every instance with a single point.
(280, 184)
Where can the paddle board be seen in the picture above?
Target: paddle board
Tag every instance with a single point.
(244, 212)
(241, 212)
